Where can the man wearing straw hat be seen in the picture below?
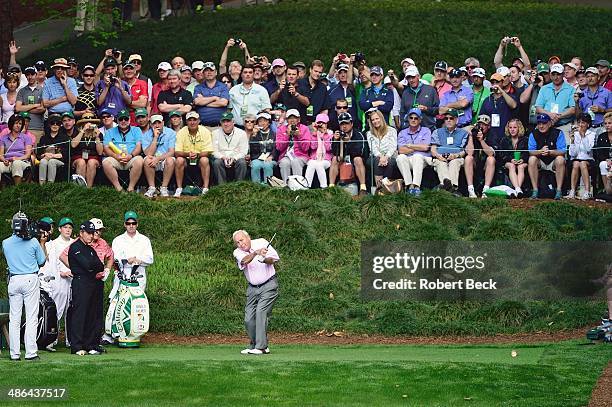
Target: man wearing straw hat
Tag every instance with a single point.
(59, 92)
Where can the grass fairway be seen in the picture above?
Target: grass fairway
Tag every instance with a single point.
(369, 375)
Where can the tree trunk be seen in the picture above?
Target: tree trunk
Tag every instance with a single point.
(6, 32)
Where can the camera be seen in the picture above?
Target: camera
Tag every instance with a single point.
(257, 60)
(342, 134)
(112, 79)
(117, 53)
(580, 94)
(359, 57)
(537, 80)
(25, 229)
(293, 128)
(475, 130)
(237, 41)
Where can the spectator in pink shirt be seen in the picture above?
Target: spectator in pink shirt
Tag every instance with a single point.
(293, 145)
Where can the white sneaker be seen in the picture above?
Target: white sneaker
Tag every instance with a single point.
(204, 190)
(163, 191)
(150, 192)
(94, 352)
(50, 348)
(266, 351)
(471, 192)
(178, 192)
(81, 353)
(586, 196)
(246, 351)
(571, 194)
(255, 352)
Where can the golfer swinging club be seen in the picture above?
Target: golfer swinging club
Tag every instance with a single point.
(256, 259)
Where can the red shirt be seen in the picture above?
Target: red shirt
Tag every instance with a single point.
(138, 89)
(102, 249)
(158, 87)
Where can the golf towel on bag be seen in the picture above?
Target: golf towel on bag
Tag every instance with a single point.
(128, 314)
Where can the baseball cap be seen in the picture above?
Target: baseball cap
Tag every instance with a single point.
(441, 66)
(227, 116)
(592, 69)
(29, 70)
(54, 118)
(73, 61)
(343, 67)
(130, 215)
(293, 112)
(278, 62)
(47, 219)
(415, 110)
(65, 221)
(602, 62)
(192, 115)
(411, 71)
(558, 68)
(484, 118)
(174, 113)
(68, 114)
(280, 106)
(88, 227)
(376, 70)
(409, 60)
(503, 71)
(40, 66)
(88, 67)
(542, 67)
(97, 223)
(322, 117)
(185, 68)
(518, 59)
(110, 61)
(157, 118)
(197, 65)
(104, 112)
(164, 66)
(14, 68)
(479, 72)
(345, 118)
(387, 80)
(554, 57)
(25, 115)
(323, 76)
(571, 65)
(263, 115)
(123, 113)
(497, 77)
(135, 57)
(543, 118)
(452, 112)
(129, 64)
(299, 64)
(141, 111)
(209, 65)
(455, 73)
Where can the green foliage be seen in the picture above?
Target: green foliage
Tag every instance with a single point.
(385, 30)
(195, 287)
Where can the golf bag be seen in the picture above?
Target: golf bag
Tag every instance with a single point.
(47, 321)
(128, 313)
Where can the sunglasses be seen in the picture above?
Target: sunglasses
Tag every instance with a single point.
(105, 117)
(137, 62)
(55, 124)
(320, 123)
(124, 119)
(471, 67)
(342, 107)
(88, 75)
(249, 121)
(414, 118)
(494, 82)
(131, 223)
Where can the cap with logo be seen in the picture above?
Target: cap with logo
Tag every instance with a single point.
(68, 114)
(455, 73)
(503, 71)
(593, 70)
(376, 70)
(227, 116)
(556, 68)
(452, 112)
(411, 71)
(197, 65)
(135, 57)
(129, 64)
(415, 110)
(88, 227)
(497, 77)
(157, 118)
(293, 112)
(185, 68)
(278, 62)
(130, 215)
(175, 113)
(484, 118)
(40, 66)
(65, 221)
(480, 72)
(97, 223)
(209, 65)
(192, 115)
(571, 65)
(342, 67)
(409, 61)
(29, 70)
(141, 112)
(441, 66)
(110, 61)
(164, 66)
(280, 106)
(322, 118)
(264, 115)
(60, 63)
(72, 61)
(542, 67)
(345, 118)
(48, 219)
(124, 113)
(543, 118)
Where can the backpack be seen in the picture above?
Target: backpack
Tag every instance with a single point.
(297, 182)
(547, 185)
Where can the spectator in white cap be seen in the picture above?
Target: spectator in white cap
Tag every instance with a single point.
(136, 59)
(262, 149)
(230, 147)
(481, 92)
(197, 71)
(569, 74)
(158, 144)
(210, 98)
(273, 84)
(413, 148)
(595, 101)
(162, 70)
(293, 145)
(419, 95)
(320, 151)
(556, 100)
(186, 76)
(192, 148)
(506, 83)
(471, 64)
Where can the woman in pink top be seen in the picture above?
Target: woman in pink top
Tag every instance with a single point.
(320, 151)
(293, 145)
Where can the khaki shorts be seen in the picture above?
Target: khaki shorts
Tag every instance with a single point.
(162, 164)
(123, 167)
(543, 166)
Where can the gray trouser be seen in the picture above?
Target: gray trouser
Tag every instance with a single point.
(257, 311)
(23, 289)
(288, 167)
(221, 173)
(47, 169)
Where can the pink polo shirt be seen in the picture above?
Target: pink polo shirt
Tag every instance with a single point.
(256, 272)
(102, 249)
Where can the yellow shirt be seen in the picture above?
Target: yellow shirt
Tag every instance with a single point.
(200, 143)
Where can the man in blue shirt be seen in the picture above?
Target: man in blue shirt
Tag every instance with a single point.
(60, 91)
(546, 151)
(499, 106)
(556, 100)
(595, 101)
(210, 98)
(377, 95)
(127, 140)
(158, 145)
(448, 151)
(344, 90)
(459, 97)
(24, 256)
(113, 93)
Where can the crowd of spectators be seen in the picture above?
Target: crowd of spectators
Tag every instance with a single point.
(352, 122)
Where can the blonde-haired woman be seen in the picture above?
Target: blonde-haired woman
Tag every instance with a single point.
(514, 154)
(382, 140)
